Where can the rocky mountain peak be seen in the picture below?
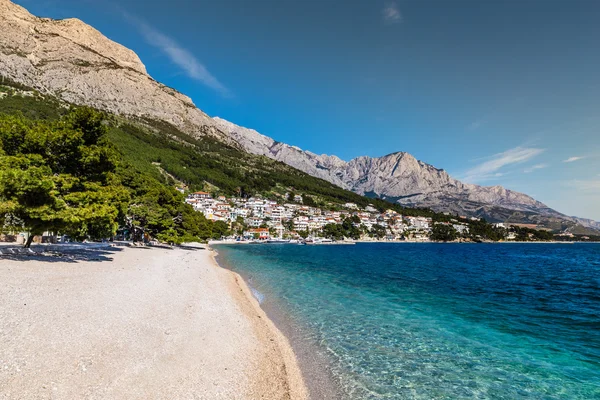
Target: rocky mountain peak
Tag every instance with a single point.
(35, 32)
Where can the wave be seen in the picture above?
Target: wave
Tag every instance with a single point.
(260, 297)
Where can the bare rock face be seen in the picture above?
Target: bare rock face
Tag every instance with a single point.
(75, 62)
(397, 177)
(254, 142)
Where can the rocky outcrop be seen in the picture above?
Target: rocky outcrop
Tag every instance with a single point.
(256, 143)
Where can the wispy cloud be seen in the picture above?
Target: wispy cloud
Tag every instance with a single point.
(473, 126)
(591, 185)
(573, 159)
(180, 56)
(534, 168)
(490, 168)
(391, 13)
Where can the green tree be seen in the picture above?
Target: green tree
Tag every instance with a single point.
(308, 200)
(220, 229)
(59, 176)
(443, 233)
(378, 231)
(333, 231)
(290, 197)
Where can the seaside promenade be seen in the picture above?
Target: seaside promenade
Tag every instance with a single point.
(137, 323)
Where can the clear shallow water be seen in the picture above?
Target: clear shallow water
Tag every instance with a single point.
(444, 321)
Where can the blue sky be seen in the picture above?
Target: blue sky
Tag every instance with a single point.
(497, 93)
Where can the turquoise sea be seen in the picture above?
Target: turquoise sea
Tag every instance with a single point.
(434, 321)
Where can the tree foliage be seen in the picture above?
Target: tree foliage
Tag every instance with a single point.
(64, 176)
(347, 229)
(378, 231)
(59, 176)
(443, 233)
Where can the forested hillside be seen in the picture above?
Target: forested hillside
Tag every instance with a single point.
(79, 171)
(143, 162)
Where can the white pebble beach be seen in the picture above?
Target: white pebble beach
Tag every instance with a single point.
(137, 323)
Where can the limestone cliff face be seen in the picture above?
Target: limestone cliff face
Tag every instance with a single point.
(75, 62)
(398, 177)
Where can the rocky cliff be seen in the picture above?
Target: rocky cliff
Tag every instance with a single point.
(396, 177)
(75, 62)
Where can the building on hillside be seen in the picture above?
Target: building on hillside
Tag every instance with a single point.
(222, 207)
(419, 222)
(200, 195)
(460, 228)
(254, 222)
(258, 233)
(301, 223)
(279, 230)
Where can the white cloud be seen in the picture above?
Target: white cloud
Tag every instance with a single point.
(573, 159)
(592, 185)
(491, 168)
(178, 55)
(391, 13)
(535, 167)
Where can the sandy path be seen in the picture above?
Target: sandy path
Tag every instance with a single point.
(150, 324)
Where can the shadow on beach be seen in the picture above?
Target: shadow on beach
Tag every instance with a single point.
(15, 253)
(53, 256)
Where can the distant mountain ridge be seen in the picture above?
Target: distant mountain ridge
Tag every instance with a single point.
(75, 62)
(397, 176)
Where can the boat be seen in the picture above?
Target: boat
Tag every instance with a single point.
(278, 241)
(316, 241)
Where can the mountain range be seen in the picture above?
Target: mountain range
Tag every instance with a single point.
(76, 63)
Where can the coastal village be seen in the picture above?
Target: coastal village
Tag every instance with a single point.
(262, 219)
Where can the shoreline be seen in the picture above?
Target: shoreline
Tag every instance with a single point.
(314, 363)
(294, 382)
(137, 323)
(225, 242)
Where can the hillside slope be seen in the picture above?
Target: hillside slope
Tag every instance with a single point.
(162, 152)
